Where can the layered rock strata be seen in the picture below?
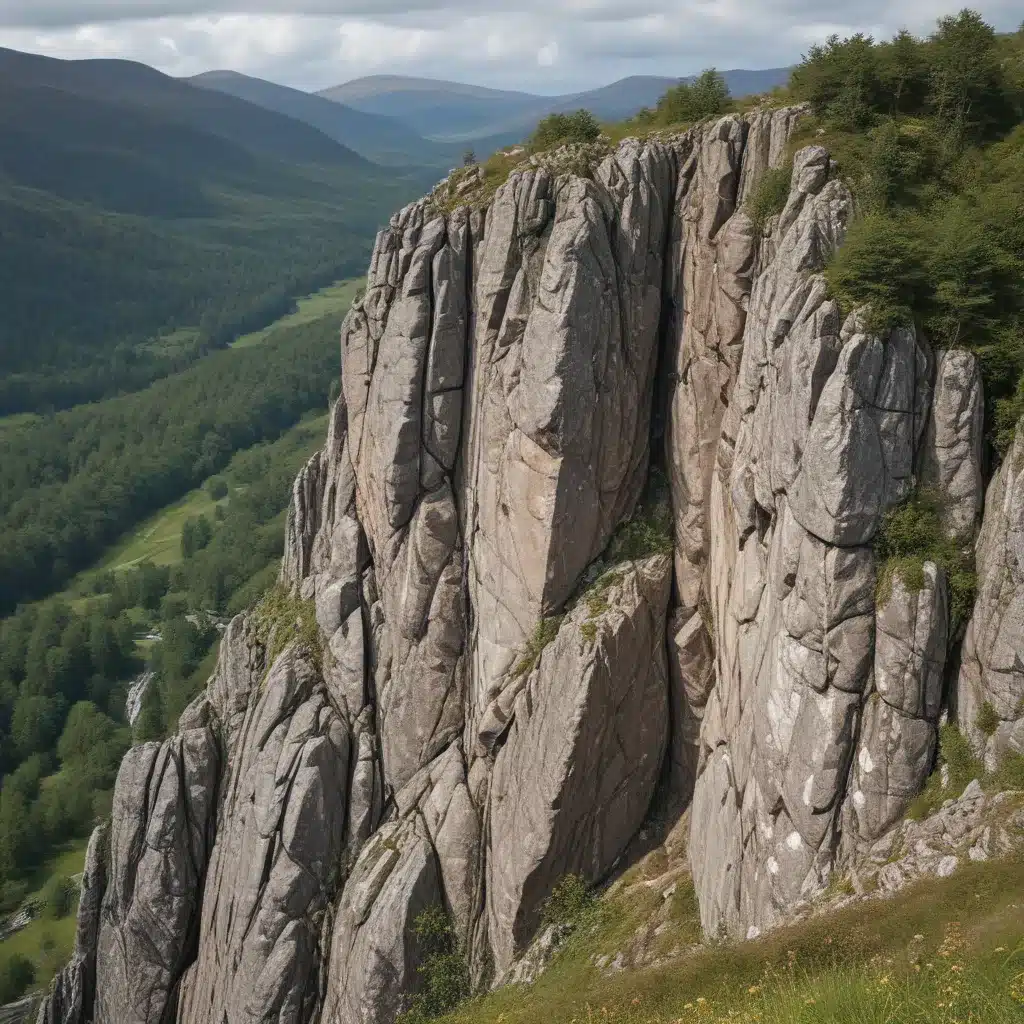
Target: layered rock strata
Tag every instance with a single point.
(483, 663)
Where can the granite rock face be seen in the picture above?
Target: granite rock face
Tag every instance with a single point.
(991, 683)
(573, 781)
(273, 867)
(594, 529)
(160, 839)
(73, 992)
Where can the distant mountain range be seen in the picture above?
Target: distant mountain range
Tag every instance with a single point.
(454, 112)
(145, 221)
(394, 120)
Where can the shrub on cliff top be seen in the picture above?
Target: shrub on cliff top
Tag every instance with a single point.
(707, 96)
(559, 129)
(769, 198)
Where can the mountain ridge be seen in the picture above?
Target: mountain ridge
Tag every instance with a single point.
(376, 137)
(137, 86)
(468, 113)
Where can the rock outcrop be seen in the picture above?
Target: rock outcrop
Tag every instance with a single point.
(73, 992)
(490, 653)
(990, 693)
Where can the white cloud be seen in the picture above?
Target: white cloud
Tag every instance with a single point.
(542, 45)
(547, 55)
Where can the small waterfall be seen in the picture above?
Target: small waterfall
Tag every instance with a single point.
(136, 693)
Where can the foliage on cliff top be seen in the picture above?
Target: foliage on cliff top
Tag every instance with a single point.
(583, 140)
(928, 134)
(562, 129)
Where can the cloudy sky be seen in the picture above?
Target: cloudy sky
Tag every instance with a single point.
(546, 46)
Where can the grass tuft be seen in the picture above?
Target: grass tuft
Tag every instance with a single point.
(913, 533)
(544, 633)
(281, 619)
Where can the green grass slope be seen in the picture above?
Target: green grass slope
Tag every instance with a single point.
(944, 952)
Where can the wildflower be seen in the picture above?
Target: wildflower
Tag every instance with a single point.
(754, 989)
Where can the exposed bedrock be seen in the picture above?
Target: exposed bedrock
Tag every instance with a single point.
(818, 442)
(491, 674)
(72, 995)
(568, 301)
(990, 692)
(274, 867)
(160, 838)
(713, 257)
(572, 783)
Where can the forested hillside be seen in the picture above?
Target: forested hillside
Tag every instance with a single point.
(70, 484)
(146, 221)
(230, 425)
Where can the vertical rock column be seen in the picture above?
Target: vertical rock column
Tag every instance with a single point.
(403, 371)
(277, 859)
(709, 275)
(818, 442)
(160, 838)
(568, 303)
(990, 691)
(72, 995)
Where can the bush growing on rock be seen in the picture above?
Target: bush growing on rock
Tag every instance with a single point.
(443, 968)
(769, 198)
(560, 129)
(707, 96)
(913, 533)
(568, 901)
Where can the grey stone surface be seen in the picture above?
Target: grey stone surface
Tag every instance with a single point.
(374, 954)
(499, 401)
(160, 838)
(818, 441)
(951, 456)
(992, 665)
(72, 994)
(568, 298)
(573, 781)
(403, 370)
(277, 858)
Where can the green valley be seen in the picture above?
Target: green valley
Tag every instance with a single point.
(147, 222)
(173, 563)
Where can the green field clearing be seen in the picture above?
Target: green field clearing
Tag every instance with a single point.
(334, 300)
(158, 539)
(47, 942)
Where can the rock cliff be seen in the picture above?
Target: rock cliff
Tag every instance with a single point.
(595, 525)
